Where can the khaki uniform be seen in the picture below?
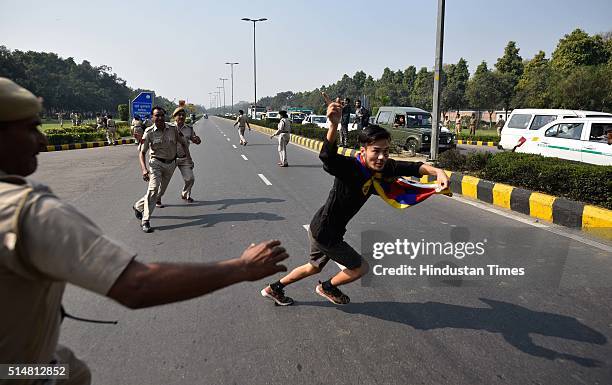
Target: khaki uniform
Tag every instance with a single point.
(111, 131)
(284, 134)
(162, 163)
(185, 163)
(35, 265)
(241, 120)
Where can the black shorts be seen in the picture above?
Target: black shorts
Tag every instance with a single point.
(341, 253)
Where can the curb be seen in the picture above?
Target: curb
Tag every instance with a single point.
(478, 143)
(79, 146)
(561, 211)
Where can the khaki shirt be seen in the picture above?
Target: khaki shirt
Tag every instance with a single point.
(55, 244)
(162, 141)
(188, 134)
(241, 120)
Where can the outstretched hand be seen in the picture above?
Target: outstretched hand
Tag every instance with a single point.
(334, 110)
(262, 260)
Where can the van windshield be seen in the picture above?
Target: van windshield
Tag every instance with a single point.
(418, 120)
(520, 121)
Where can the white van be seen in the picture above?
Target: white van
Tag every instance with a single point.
(579, 139)
(524, 121)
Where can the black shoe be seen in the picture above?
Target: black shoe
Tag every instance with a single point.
(278, 296)
(146, 227)
(334, 295)
(137, 213)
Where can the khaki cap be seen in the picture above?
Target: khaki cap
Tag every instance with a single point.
(178, 110)
(17, 103)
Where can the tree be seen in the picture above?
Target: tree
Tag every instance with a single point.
(585, 88)
(509, 70)
(123, 111)
(453, 94)
(532, 89)
(482, 92)
(422, 93)
(579, 49)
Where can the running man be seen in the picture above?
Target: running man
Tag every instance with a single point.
(353, 185)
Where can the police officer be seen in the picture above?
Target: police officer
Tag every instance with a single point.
(184, 162)
(35, 266)
(162, 139)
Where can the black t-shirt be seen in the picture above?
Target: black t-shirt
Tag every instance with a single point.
(346, 198)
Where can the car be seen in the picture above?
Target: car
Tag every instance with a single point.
(523, 122)
(319, 120)
(296, 117)
(579, 139)
(273, 116)
(410, 129)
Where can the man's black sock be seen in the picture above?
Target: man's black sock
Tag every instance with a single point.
(327, 285)
(277, 286)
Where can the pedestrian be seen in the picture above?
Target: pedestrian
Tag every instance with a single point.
(60, 118)
(111, 130)
(362, 116)
(148, 122)
(184, 161)
(137, 129)
(499, 126)
(344, 122)
(472, 124)
(446, 122)
(161, 139)
(242, 123)
(355, 180)
(284, 134)
(458, 124)
(36, 265)
(99, 121)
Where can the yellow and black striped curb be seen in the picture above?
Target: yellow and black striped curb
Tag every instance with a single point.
(78, 146)
(561, 211)
(478, 143)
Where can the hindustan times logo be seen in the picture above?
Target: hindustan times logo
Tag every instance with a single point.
(412, 250)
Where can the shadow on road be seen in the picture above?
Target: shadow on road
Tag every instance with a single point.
(225, 203)
(209, 220)
(515, 323)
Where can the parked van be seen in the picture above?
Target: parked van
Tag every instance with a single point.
(410, 129)
(523, 122)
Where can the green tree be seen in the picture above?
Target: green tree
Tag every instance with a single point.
(585, 88)
(422, 93)
(579, 49)
(123, 111)
(481, 92)
(453, 94)
(533, 88)
(509, 70)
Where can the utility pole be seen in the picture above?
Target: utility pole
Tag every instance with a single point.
(433, 152)
(254, 64)
(223, 85)
(232, 66)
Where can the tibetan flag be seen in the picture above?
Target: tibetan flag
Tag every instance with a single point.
(399, 192)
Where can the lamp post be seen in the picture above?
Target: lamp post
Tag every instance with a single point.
(210, 96)
(433, 152)
(232, 66)
(219, 95)
(254, 64)
(223, 85)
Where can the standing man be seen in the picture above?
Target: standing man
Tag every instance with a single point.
(99, 121)
(242, 123)
(354, 183)
(472, 124)
(284, 134)
(162, 139)
(500, 125)
(184, 162)
(458, 123)
(111, 130)
(344, 122)
(60, 118)
(362, 116)
(137, 129)
(35, 266)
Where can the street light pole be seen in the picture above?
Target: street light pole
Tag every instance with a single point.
(210, 96)
(433, 152)
(219, 95)
(223, 83)
(232, 66)
(254, 64)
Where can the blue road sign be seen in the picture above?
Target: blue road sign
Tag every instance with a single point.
(142, 104)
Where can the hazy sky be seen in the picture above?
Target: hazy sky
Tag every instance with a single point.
(178, 48)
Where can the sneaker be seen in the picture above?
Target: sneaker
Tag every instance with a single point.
(189, 200)
(146, 227)
(159, 204)
(278, 296)
(245, 143)
(183, 197)
(333, 296)
(137, 213)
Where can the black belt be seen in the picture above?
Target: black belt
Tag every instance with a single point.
(164, 160)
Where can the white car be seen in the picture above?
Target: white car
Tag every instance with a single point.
(319, 120)
(579, 139)
(273, 115)
(524, 122)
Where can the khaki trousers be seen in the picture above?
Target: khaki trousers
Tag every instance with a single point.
(186, 169)
(283, 139)
(160, 174)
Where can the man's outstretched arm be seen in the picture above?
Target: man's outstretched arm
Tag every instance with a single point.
(145, 285)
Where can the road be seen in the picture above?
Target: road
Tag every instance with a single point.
(390, 334)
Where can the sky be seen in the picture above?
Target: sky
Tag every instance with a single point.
(178, 48)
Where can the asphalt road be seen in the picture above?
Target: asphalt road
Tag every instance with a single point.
(558, 332)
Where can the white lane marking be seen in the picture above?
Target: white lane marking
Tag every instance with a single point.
(233, 145)
(307, 228)
(265, 180)
(244, 157)
(542, 226)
